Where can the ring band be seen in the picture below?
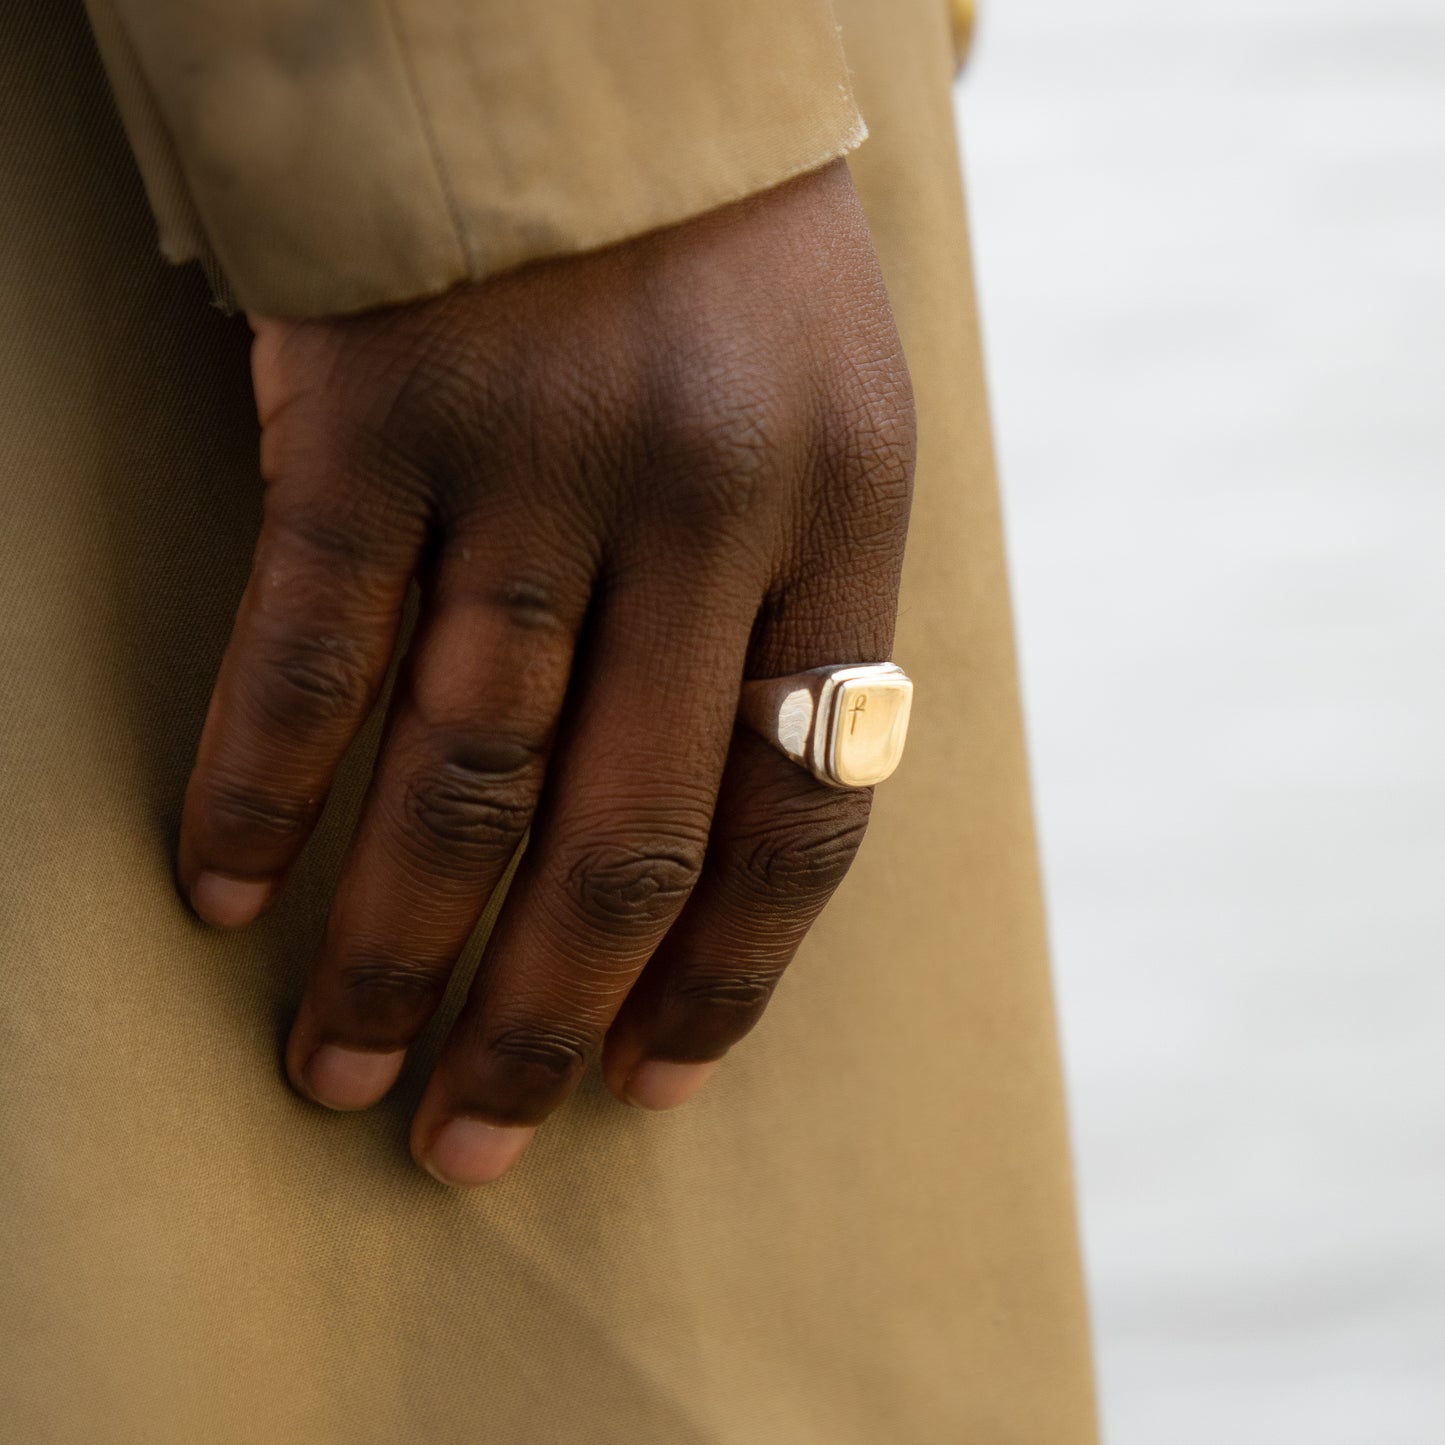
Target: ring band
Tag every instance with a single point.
(846, 724)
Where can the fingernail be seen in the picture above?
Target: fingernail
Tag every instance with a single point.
(467, 1151)
(350, 1078)
(658, 1084)
(229, 902)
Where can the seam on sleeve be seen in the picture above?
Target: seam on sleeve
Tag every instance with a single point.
(428, 130)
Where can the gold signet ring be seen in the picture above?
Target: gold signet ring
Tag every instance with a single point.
(846, 724)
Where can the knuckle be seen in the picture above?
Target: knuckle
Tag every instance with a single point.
(630, 888)
(806, 856)
(718, 448)
(708, 1007)
(532, 606)
(442, 375)
(528, 1065)
(465, 396)
(739, 994)
(879, 438)
(552, 1049)
(360, 543)
(871, 489)
(869, 440)
(325, 532)
(887, 456)
(311, 683)
(349, 499)
(471, 807)
(243, 813)
(389, 994)
(446, 418)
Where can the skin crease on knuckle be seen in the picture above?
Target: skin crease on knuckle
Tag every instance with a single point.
(777, 878)
(237, 839)
(538, 1056)
(632, 887)
(729, 388)
(705, 1011)
(241, 812)
(803, 855)
(461, 814)
(385, 998)
(309, 683)
(520, 1069)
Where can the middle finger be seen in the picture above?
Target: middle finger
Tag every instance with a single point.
(616, 848)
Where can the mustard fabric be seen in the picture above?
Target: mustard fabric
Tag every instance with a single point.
(332, 155)
(965, 24)
(860, 1232)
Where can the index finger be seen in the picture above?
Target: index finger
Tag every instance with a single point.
(309, 650)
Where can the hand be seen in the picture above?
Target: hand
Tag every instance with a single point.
(624, 481)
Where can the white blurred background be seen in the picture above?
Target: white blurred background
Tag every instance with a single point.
(1211, 247)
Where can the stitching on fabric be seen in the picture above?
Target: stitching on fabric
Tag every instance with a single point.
(428, 131)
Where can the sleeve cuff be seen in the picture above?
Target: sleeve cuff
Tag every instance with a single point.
(329, 158)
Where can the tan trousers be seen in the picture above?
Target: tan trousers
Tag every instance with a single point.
(861, 1232)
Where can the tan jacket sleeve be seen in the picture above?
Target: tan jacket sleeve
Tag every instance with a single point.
(330, 155)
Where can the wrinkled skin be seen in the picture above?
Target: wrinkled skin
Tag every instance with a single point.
(625, 481)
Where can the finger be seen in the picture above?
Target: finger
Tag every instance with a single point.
(461, 768)
(615, 850)
(781, 841)
(781, 844)
(308, 653)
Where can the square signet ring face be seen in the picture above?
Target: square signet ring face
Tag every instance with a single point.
(846, 724)
(867, 727)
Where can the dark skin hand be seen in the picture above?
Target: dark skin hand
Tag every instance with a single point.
(624, 481)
